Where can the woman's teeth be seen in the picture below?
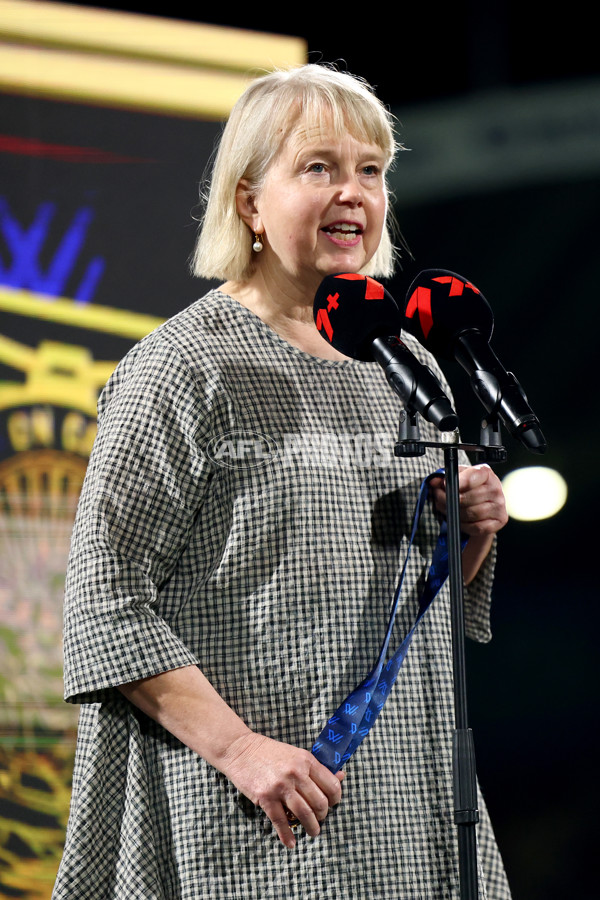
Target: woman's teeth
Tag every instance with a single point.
(343, 230)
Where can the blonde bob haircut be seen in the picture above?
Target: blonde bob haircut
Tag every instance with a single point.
(269, 110)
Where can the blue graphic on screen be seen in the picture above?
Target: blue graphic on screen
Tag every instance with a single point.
(25, 245)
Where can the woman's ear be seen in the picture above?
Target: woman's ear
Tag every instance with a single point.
(246, 206)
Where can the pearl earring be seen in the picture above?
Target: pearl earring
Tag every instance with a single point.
(257, 245)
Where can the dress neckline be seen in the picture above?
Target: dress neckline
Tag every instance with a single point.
(281, 342)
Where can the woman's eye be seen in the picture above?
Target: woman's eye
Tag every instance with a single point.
(318, 168)
(371, 170)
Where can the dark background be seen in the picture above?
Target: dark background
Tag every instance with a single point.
(532, 249)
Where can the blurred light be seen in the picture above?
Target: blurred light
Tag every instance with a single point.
(534, 492)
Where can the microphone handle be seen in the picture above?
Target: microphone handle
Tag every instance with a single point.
(414, 382)
(499, 390)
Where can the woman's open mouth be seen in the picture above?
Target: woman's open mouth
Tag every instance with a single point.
(343, 232)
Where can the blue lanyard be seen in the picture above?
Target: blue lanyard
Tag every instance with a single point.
(354, 718)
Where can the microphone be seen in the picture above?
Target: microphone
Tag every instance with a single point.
(452, 319)
(358, 317)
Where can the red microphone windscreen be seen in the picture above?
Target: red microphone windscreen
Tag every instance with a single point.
(440, 306)
(351, 310)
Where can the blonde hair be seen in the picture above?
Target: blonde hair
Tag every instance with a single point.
(269, 109)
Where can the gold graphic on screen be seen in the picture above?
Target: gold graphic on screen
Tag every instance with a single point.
(38, 496)
(48, 423)
(56, 373)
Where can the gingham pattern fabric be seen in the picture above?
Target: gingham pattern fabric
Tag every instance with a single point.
(276, 579)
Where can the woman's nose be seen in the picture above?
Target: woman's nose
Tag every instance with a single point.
(350, 190)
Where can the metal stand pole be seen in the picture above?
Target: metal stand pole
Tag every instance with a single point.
(466, 813)
(464, 770)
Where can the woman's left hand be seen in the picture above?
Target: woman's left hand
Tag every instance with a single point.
(482, 506)
(482, 512)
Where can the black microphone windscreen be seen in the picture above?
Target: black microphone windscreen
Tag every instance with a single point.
(351, 311)
(440, 306)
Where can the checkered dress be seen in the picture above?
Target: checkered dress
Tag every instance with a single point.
(243, 511)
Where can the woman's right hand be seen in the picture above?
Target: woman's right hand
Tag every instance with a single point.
(273, 775)
(279, 778)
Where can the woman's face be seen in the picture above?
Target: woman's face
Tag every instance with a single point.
(321, 209)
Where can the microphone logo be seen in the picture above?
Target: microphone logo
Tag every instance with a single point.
(457, 285)
(322, 320)
(420, 300)
(373, 291)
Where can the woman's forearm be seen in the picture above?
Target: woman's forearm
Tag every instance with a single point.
(474, 555)
(278, 777)
(185, 703)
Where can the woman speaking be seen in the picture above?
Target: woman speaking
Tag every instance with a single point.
(221, 602)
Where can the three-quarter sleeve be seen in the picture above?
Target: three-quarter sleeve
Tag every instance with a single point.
(143, 490)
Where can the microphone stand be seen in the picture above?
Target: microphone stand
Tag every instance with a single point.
(464, 774)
